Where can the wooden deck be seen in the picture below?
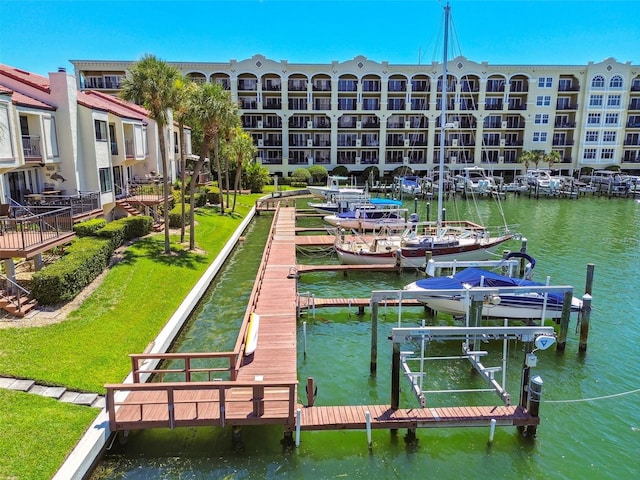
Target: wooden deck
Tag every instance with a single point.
(352, 417)
(262, 387)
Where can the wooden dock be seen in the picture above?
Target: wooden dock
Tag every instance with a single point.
(230, 388)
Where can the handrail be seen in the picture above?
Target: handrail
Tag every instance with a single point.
(137, 364)
(253, 298)
(17, 286)
(261, 394)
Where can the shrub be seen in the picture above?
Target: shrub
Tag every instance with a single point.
(114, 231)
(301, 175)
(136, 226)
(60, 282)
(175, 215)
(89, 227)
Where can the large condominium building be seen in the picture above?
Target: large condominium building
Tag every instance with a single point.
(361, 113)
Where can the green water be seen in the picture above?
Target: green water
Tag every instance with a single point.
(589, 428)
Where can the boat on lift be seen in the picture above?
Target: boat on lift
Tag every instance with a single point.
(505, 296)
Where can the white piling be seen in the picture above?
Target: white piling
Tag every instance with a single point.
(304, 337)
(298, 415)
(492, 430)
(313, 305)
(367, 417)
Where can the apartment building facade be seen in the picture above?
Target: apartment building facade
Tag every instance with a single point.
(56, 139)
(361, 113)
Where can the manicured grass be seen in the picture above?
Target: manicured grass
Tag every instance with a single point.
(37, 433)
(91, 347)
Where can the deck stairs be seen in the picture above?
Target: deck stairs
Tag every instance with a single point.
(17, 305)
(158, 226)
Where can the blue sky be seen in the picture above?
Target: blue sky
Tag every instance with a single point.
(40, 36)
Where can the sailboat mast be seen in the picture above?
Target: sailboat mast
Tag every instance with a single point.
(443, 114)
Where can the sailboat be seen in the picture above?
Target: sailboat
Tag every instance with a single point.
(462, 240)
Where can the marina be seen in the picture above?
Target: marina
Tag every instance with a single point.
(338, 329)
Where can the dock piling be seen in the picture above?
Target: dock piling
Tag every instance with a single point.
(373, 365)
(492, 430)
(584, 323)
(367, 418)
(298, 418)
(533, 404)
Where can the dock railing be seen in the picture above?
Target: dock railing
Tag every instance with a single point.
(189, 367)
(145, 405)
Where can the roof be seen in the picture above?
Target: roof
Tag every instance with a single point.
(111, 104)
(31, 79)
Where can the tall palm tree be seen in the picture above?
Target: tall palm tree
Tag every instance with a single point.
(242, 150)
(213, 110)
(151, 83)
(181, 112)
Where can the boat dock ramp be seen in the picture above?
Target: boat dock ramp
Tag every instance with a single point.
(234, 389)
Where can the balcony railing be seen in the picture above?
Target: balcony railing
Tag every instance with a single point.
(31, 147)
(33, 227)
(79, 204)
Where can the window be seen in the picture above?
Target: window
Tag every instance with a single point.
(597, 82)
(593, 119)
(611, 119)
(101, 130)
(607, 153)
(543, 100)
(591, 136)
(542, 118)
(595, 100)
(545, 82)
(613, 101)
(609, 136)
(539, 136)
(589, 153)
(615, 82)
(105, 180)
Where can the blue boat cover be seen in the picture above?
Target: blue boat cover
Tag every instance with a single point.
(473, 276)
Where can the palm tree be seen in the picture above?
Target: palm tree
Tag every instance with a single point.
(151, 83)
(526, 157)
(552, 158)
(538, 156)
(242, 150)
(212, 109)
(181, 112)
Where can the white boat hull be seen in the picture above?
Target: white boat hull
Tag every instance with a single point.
(513, 306)
(390, 252)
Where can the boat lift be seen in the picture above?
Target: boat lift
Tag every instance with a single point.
(471, 334)
(543, 336)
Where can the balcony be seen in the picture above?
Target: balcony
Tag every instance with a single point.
(565, 125)
(297, 85)
(493, 106)
(31, 149)
(568, 88)
(35, 230)
(562, 143)
(566, 106)
(634, 104)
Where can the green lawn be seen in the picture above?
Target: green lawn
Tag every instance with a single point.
(91, 347)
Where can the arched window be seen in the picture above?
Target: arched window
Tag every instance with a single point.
(615, 82)
(597, 82)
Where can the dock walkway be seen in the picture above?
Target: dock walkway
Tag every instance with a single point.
(262, 388)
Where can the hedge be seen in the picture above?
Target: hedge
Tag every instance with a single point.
(89, 227)
(61, 281)
(136, 226)
(175, 215)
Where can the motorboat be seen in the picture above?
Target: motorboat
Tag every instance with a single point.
(335, 185)
(410, 184)
(371, 216)
(475, 180)
(504, 296)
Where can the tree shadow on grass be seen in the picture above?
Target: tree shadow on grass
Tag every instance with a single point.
(153, 248)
